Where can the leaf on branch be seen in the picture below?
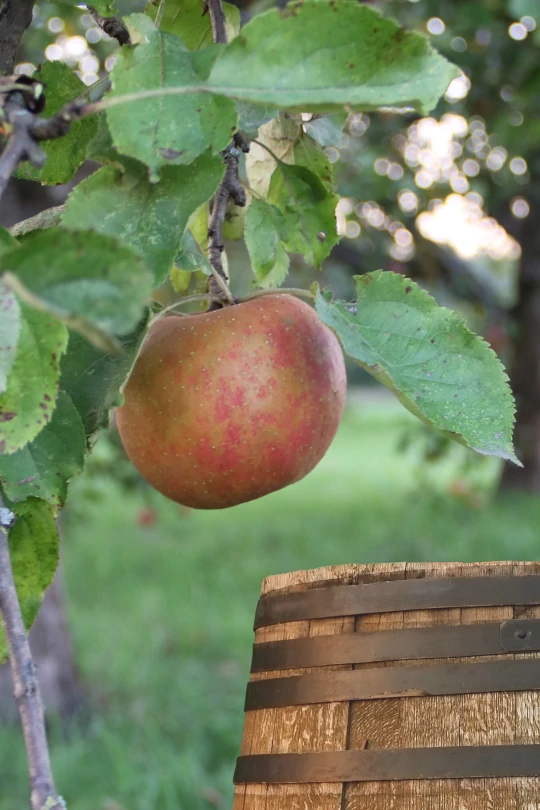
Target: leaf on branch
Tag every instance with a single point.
(33, 547)
(93, 379)
(28, 402)
(321, 56)
(309, 211)
(66, 154)
(166, 130)
(308, 153)
(149, 218)
(190, 257)
(10, 326)
(265, 232)
(44, 466)
(327, 130)
(185, 19)
(88, 280)
(277, 137)
(440, 370)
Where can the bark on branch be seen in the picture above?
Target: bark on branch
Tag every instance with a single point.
(43, 795)
(112, 26)
(230, 187)
(15, 17)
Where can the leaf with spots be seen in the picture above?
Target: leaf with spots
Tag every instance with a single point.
(66, 154)
(440, 370)
(166, 129)
(91, 282)
(323, 56)
(44, 466)
(308, 208)
(265, 232)
(10, 326)
(33, 548)
(186, 19)
(149, 218)
(28, 402)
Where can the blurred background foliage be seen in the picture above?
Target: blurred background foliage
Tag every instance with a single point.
(160, 599)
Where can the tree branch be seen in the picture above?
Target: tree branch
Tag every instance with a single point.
(230, 187)
(26, 130)
(112, 26)
(15, 17)
(217, 18)
(43, 795)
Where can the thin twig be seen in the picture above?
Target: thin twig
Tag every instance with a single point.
(112, 26)
(43, 795)
(15, 17)
(45, 219)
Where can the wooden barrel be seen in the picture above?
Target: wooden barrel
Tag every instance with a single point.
(395, 687)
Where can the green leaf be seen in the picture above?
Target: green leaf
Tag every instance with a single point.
(190, 257)
(185, 19)
(168, 129)
(82, 278)
(7, 241)
(276, 139)
(321, 56)
(265, 230)
(92, 379)
(66, 154)
(438, 369)
(44, 466)
(253, 116)
(33, 546)
(328, 129)
(150, 218)
(308, 153)
(10, 326)
(29, 399)
(309, 211)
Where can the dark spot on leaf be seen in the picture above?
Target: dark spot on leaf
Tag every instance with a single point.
(46, 397)
(7, 416)
(170, 154)
(351, 66)
(43, 405)
(432, 340)
(408, 289)
(26, 480)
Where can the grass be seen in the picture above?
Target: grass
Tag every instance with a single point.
(162, 614)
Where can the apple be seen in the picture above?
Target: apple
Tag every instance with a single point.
(227, 406)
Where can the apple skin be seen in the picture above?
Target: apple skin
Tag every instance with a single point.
(224, 407)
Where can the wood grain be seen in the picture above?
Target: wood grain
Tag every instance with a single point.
(487, 719)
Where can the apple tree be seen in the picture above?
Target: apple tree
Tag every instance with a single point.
(201, 125)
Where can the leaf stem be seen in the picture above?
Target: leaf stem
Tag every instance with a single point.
(27, 696)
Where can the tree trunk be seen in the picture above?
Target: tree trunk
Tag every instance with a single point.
(525, 370)
(59, 677)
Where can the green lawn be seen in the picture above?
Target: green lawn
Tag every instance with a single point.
(162, 615)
